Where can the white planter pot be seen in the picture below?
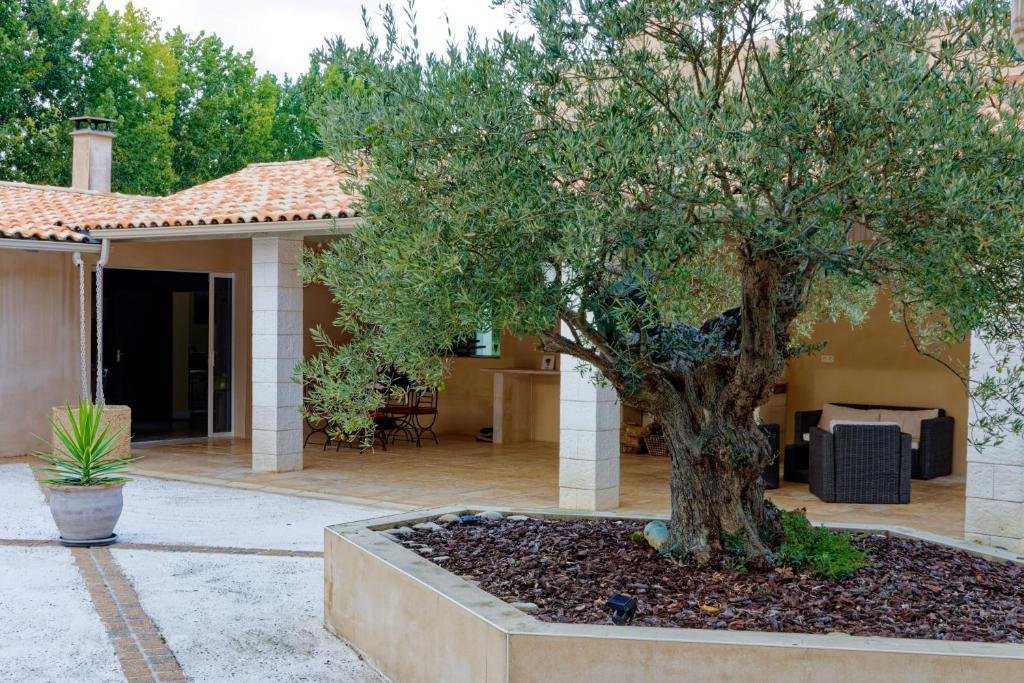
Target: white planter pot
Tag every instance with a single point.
(86, 515)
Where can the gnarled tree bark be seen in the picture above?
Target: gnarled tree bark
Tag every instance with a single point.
(703, 391)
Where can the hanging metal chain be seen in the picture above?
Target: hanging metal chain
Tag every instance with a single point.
(83, 343)
(99, 333)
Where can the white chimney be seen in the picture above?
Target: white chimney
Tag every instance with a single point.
(91, 153)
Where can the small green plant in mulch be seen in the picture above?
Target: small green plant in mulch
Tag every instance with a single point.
(735, 548)
(825, 553)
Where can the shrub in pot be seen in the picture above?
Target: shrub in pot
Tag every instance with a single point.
(85, 489)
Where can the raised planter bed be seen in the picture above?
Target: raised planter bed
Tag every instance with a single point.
(419, 622)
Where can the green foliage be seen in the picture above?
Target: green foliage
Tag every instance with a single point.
(85, 456)
(187, 108)
(224, 109)
(297, 120)
(40, 78)
(675, 191)
(735, 551)
(825, 553)
(131, 77)
(621, 172)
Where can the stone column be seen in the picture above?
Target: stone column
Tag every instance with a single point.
(276, 350)
(995, 476)
(588, 450)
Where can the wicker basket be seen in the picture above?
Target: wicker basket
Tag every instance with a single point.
(631, 438)
(656, 445)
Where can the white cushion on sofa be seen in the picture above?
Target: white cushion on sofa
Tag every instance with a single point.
(909, 420)
(830, 412)
(833, 423)
(914, 443)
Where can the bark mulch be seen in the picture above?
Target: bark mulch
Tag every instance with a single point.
(569, 568)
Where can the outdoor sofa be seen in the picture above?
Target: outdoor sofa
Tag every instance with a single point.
(860, 463)
(930, 430)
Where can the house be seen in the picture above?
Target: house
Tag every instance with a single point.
(204, 318)
(203, 314)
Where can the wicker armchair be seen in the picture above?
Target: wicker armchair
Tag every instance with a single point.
(860, 463)
(932, 458)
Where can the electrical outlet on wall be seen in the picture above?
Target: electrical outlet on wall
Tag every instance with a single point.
(828, 359)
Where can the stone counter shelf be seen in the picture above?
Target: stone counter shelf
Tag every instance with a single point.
(512, 405)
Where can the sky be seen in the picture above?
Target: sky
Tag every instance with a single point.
(282, 33)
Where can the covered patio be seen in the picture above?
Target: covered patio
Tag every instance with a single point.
(523, 474)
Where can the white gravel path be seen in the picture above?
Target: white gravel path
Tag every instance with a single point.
(48, 629)
(225, 617)
(173, 512)
(242, 618)
(23, 510)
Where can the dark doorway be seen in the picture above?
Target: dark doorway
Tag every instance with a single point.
(156, 331)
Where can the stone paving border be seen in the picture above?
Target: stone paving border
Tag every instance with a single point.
(175, 548)
(141, 651)
(214, 550)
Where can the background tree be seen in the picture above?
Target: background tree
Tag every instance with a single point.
(224, 110)
(41, 73)
(131, 76)
(672, 191)
(187, 108)
(296, 125)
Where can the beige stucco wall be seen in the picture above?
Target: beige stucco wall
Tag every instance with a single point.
(39, 339)
(39, 334)
(873, 363)
(876, 363)
(317, 309)
(39, 344)
(466, 403)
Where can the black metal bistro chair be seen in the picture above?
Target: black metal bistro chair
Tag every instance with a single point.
(415, 414)
(318, 424)
(384, 426)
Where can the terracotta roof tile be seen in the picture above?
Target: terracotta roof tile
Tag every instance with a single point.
(48, 212)
(290, 190)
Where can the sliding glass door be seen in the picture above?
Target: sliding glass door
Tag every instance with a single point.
(222, 347)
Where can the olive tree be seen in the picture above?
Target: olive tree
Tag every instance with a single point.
(674, 191)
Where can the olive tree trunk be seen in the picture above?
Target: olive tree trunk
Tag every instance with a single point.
(707, 415)
(703, 385)
(718, 504)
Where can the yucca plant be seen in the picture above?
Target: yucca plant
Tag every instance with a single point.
(86, 456)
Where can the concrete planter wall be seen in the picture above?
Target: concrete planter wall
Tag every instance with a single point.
(417, 622)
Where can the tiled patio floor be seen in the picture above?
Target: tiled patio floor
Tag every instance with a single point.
(522, 474)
